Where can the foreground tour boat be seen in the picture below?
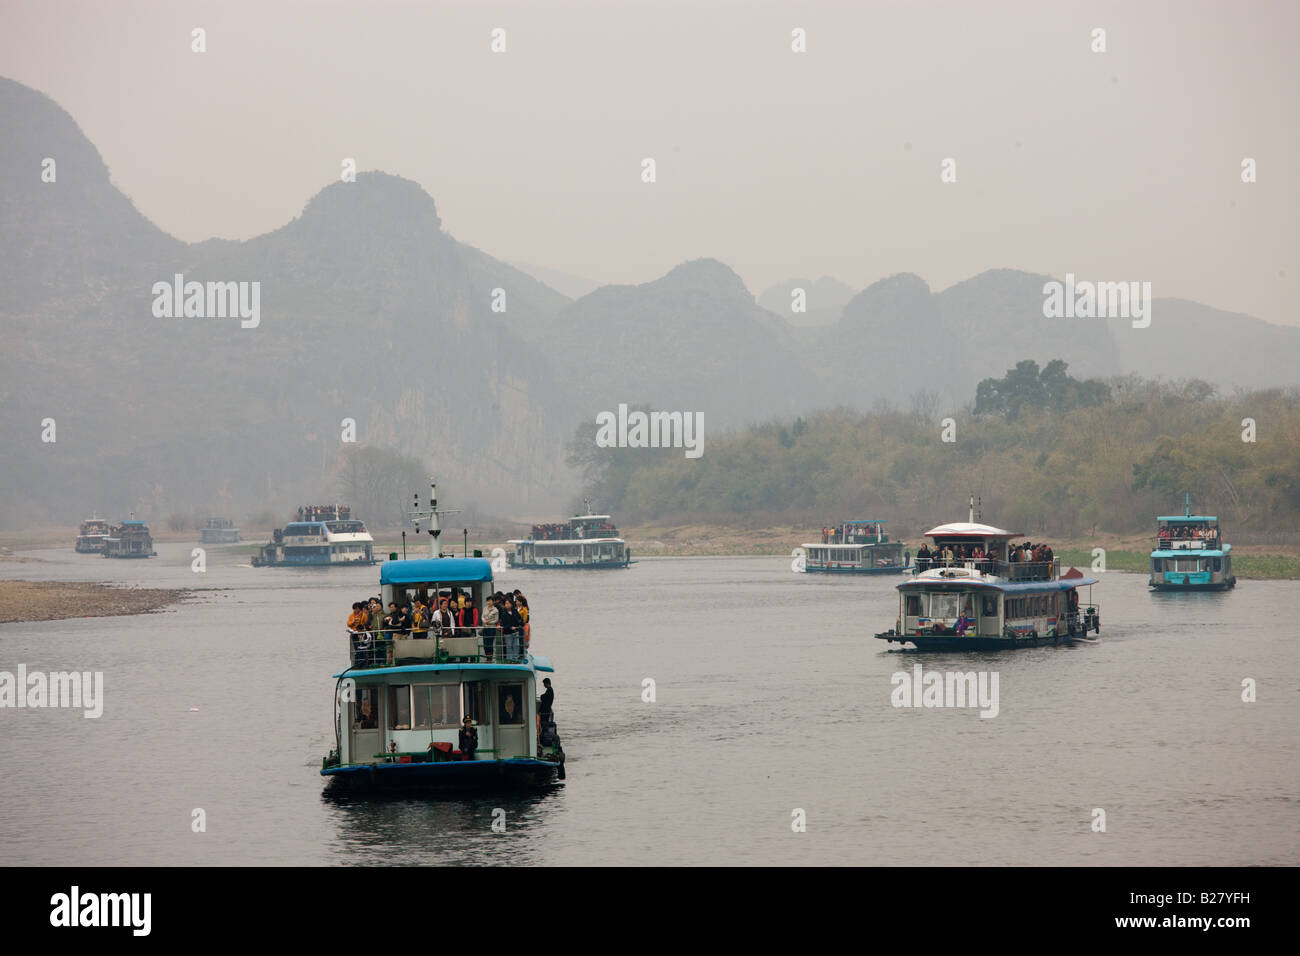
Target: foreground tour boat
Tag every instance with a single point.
(92, 535)
(989, 601)
(130, 539)
(323, 535)
(218, 531)
(1190, 554)
(401, 703)
(856, 547)
(584, 541)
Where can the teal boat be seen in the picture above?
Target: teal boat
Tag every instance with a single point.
(1190, 554)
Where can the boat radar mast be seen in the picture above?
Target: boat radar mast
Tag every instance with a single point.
(431, 515)
(975, 509)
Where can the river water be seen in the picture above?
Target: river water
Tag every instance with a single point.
(770, 698)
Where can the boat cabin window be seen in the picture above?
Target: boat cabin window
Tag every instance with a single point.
(943, 605)
(477, 701)
(510, 701)
(435, 706)
(365, 709)
(912, 606)
(399, 707)
(990, 602)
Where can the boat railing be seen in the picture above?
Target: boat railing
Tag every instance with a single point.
(1010, 570)
(1171, 543)
(474, 645)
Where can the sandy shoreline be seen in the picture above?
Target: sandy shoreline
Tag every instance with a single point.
(25, 601)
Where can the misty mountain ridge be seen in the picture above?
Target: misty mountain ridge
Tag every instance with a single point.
(370, 310)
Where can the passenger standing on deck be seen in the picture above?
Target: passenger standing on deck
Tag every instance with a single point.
(512, 627)
(442, 619)
(420, 620)
(548, 699)
(466, 616)
(491, 617)
(376, 622)
(358, 618)
(468, 738)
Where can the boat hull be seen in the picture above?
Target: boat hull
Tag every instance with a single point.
(513, 773)
(950, 642)
(1224, 585)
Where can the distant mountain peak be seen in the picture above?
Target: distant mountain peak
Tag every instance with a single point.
(375, 197)
(706, 275)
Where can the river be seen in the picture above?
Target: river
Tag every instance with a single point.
(771, 698)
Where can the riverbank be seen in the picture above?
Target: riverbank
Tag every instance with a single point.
(25, 601)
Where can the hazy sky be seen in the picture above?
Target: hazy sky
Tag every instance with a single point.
(1123, 165)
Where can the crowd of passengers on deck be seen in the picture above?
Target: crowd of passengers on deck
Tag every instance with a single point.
(1189, 532)
(950, 555)
(844, 535)
(505, 615)
(564, 531)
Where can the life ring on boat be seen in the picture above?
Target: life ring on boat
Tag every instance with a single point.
(363, 641)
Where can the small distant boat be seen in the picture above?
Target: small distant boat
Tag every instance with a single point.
(130, 539)
(92, 535)
(584, 541)
(218, 531)
(990, 601)
(1190, 554)
(856, 547)
(323, 535)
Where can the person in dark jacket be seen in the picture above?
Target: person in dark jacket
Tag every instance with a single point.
(468, 739)
(512, 626)
(547, 700)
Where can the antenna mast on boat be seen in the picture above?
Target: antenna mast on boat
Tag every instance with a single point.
(431, 515)
(1187, 504)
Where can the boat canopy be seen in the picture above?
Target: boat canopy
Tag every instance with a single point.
(1187, 518)
(433, 669)
(969, 529)
(436, 570)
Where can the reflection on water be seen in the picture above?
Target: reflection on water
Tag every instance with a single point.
(435, 829)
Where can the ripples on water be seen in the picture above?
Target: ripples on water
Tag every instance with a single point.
(771, 696)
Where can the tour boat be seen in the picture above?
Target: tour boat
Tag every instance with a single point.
(400, 704)
(323, 535)
(1190, 554)
(130, 539)
(989, 602)
(92, 535)
(584, 541)
(218, 531)
(856, 547)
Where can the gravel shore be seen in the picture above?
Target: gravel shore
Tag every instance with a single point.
(59, 600)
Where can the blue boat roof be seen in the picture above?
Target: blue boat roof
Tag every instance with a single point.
(431, 668)
(436, 570)
(863, 521)
(1187, 518)
(132, 522)
(1191, 552)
